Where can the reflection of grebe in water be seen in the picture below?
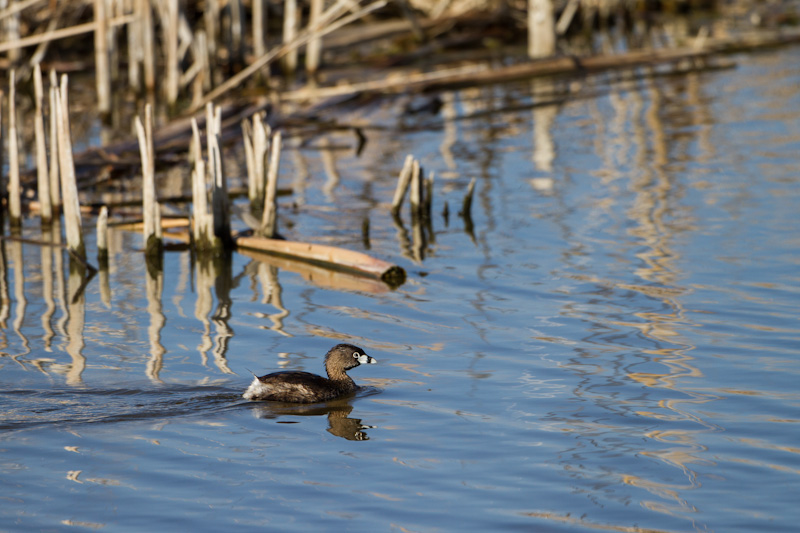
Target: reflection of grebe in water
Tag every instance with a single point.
(304, 387)
(337, 410)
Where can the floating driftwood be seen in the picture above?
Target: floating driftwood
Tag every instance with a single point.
(329, 256)
(319, 275)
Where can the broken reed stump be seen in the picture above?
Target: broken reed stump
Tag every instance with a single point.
(269, 219)
(102, 58)
(42, 175)
(102, 238)
(55, 181)
(211, 226)
(203, 230)
(541, 29)
(151, 214)
(466, 210)
(402, 185)
(256, 134)
(69, 186)
(466, 204)
(14, 200)
(328, 256)
(220, 203)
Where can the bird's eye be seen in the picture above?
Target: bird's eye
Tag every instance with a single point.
(355, 355)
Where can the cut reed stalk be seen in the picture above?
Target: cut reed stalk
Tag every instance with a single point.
(102, 58)
(42, 176)
(203, 230)
(541, 29)
(171, 36)
(290, 25)
(14, 201)
(259, 30)
(427, 196)
(150, 210)
(211, 17)
(69, 187)
(135, 56)
(314, 47)
(55, 182)
(269, 220)
(256, 146)
(415, 193)
(219, 188)
(11, 33)
(402, 185)
(466, 204)
(102, 237)
(148, 45)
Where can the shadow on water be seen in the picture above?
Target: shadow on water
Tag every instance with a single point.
(337, 411)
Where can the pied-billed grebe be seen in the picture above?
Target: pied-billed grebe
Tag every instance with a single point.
(305, 387)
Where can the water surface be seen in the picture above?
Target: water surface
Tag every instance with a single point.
(613, 346)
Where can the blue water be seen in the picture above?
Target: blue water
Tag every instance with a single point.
(614, 347)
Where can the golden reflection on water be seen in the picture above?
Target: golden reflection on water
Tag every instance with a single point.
(584, 523)
(634, 146)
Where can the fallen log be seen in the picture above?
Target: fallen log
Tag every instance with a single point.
(328, 256)
(320, 276)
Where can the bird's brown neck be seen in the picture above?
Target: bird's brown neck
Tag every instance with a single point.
(337, 374)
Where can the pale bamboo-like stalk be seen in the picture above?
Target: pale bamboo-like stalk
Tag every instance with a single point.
(42, 176)
(211, 18)
(2, 94)
(102, 58)
(260, 30)
(466, 204)
(69, 186)
(148, 45)
(150, 210)
(247, 138)
(256, 146)
(402, 184)
(427, 196)
(415, 192)
(541, 29)
(135, 55)
(171, 52)
(202, 78)
(236, 10)
(11, 33)
(269, 219)
(102, 236)
(219, 188)
(14, 201)
(314, 47)
(203, 223)
(290, 18)
(55, 182)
